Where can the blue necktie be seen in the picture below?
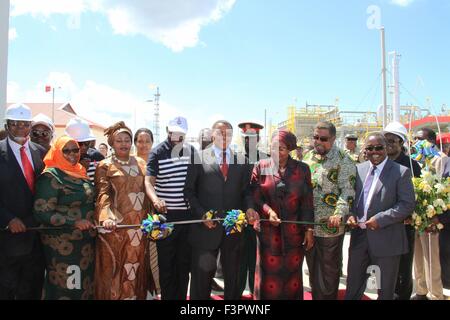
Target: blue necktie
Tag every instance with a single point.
(366, 189)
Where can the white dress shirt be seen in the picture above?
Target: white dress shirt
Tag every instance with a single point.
(15, 147)
(376, 177)
(219, 154)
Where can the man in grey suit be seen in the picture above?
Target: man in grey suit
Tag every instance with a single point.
(219, 182)
(384, 198)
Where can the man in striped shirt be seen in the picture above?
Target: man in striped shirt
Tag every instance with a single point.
(164, 184)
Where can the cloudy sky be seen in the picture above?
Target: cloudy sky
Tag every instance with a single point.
(227, 59)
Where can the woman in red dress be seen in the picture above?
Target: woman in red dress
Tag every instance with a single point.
(282, 191)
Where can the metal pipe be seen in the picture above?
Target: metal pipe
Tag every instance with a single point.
(383, 78)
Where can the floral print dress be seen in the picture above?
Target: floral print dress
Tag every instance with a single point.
(279, 249)
(60, 201)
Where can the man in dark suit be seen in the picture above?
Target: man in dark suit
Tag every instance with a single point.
(395, 134)
(384, 199)
(21, 258)
(219, 182)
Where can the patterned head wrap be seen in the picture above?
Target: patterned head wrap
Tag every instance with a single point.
(286, 137)
(55, 159)
(115, 129)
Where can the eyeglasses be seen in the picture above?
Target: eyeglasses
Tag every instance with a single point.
(40, 133)
(376, 148)
(322, 139)
(17, 123)
(69, 151)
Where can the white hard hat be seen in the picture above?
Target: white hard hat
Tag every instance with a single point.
(44, 120)
(18, 111)
(396, 128)
(178, 124)
(79, 130)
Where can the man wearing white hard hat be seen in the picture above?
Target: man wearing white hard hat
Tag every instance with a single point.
(79, 130)
(396, 136)
(42, 130)
(166, 176)
(21, 258)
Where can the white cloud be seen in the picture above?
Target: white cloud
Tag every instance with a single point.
(62, 82)
(45, 8)
(174, 23)
(12, 34)
(105, 105)
(402, 3)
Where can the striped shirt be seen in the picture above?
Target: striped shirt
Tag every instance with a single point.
(170, 171)
(94, 157)
(91, 170)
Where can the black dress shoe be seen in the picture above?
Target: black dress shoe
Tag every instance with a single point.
(420, 297)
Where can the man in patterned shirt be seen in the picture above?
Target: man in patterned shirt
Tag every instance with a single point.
(333, 179)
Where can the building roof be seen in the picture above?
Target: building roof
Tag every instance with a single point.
(443, 137)
(63, 113)
(429, 121)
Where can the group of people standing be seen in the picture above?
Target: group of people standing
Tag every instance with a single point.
(81, 198)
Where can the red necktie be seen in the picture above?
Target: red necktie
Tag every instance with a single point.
(224, 165)
(27, 169)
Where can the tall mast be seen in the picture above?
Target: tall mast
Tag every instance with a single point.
(395, 86)
(383, 78)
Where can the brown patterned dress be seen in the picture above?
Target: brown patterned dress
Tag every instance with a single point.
(122, 270)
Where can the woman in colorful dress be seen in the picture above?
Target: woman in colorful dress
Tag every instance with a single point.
(122, 264)
(65, 198)
(282, 190)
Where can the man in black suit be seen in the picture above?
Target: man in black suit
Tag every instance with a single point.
(21, 257)
(219, 182)
(396, 135)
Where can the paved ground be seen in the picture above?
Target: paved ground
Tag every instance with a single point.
(371, 293)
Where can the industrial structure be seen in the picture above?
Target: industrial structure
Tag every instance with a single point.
(301, 120)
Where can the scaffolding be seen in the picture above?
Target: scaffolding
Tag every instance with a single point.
(301, 121)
